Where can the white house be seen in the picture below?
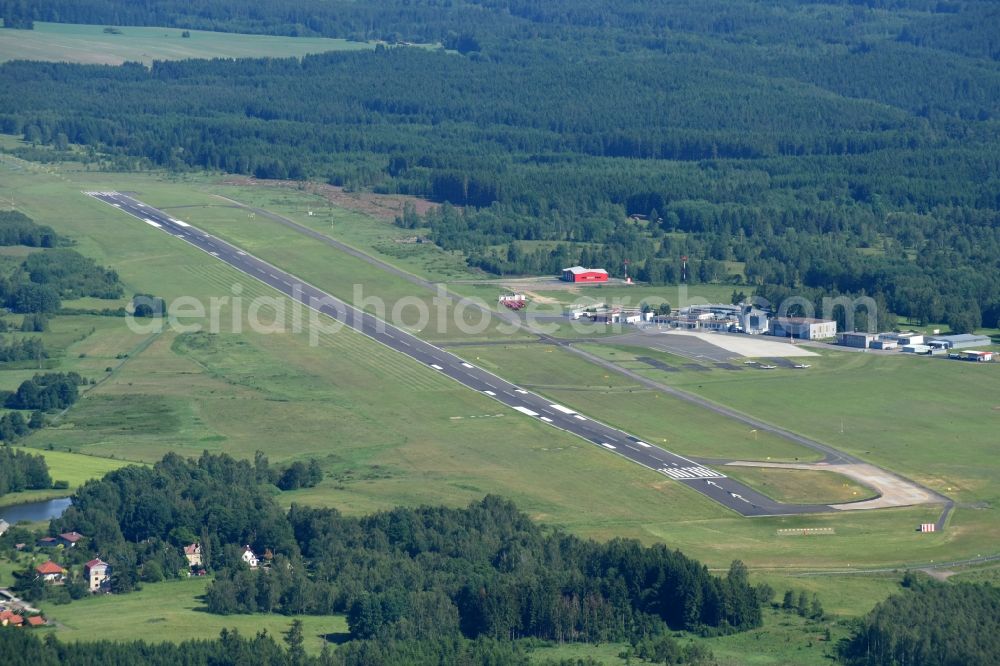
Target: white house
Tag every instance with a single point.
(50, 572)
(249, 557)
(97, 573)
(4, 526)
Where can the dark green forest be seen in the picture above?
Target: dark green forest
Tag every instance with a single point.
(931, 623)
(826, 147)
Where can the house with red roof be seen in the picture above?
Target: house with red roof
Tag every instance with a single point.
(193, 554)
(48, 542)
(11, 619)
(50, 572)
(97, 573)
(36, 621)
(70, 539)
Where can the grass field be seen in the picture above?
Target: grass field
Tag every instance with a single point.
(74, 468)
(376, 235)
(786, 640)
(172, 611)
(797, 486)
(610, 397)
(68, 42)
(932, 419)
(388, 431)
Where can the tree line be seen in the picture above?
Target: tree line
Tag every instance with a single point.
(20, 470)
(412, 574)
(16, 228)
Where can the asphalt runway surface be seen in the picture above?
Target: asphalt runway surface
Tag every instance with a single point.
(713, 484)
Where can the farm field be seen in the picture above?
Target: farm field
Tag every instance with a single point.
(89, 44)
(277, 393)
(172, 611)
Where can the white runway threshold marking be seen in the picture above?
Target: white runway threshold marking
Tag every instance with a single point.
(697, 472)
(525, 410)
(151, 223)
(608, 446)
(179, 223)
(546, 419)
(436, 366)
(564, 410)
(467, 365)
(489, 392)
(577, 416)
(644, 445)
(521, 391)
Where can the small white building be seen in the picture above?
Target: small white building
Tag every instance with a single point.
(249, 557)
(917, 349)
(4, 526)
(904, 338)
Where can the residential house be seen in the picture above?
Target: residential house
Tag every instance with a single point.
(97, 573)
(70, 539)
(50, 572)
(4, 526)
(48, 542)
(192, 553)
(249, 557)
(10, 618)
(36, 621)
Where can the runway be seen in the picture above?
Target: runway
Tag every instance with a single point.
(711, 483)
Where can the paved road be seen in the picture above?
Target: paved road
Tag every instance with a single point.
(715, 485)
